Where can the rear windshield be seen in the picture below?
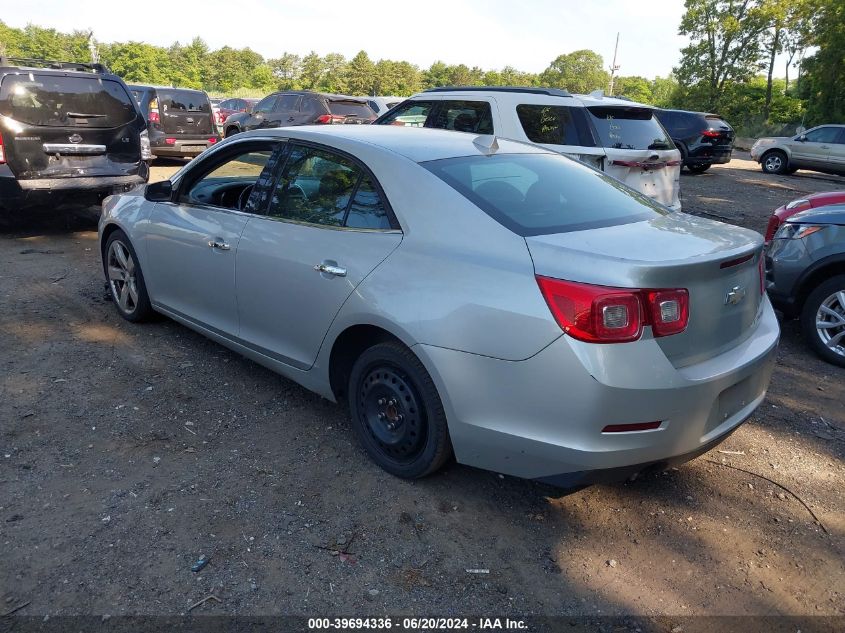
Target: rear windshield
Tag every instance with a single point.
(185, 100)
(351, 108)
(536, 194)
(629, 128)
(717, 122)
(54, 100)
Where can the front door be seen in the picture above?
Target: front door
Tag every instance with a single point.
(327, 226)
(813, 148)
(191, 242)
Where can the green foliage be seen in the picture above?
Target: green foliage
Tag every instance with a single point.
(581, 72)
(823, 82)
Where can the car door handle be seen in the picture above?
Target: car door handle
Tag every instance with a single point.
(218, 244)
(330, 269)
(291, 119)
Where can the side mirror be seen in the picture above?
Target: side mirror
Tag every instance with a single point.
(161, 191)
(803, 138)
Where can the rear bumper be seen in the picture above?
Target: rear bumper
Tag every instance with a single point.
(709, 157)
(543, 418)
(16, 194)
(183, 146)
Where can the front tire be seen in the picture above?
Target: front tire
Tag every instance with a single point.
(396, 412)
(774, 162)
(125, 279)
(823, 320)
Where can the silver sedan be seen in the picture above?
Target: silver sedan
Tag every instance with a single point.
(466, 295)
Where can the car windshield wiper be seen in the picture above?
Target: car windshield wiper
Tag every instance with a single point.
(660, 145)
(83, 115)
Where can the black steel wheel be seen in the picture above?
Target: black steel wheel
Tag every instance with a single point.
(396, 412)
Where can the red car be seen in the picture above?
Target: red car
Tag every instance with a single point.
(232, 106)
(780, 215)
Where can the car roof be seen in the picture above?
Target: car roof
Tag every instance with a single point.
(525, 95)
(149, 87)
(329, 95)
(416, 144)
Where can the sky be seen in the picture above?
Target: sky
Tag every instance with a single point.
(525, 34)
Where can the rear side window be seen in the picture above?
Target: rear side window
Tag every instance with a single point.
(555, 125)
(55, 101)
(409, 114)
(629, 128)
(537, 194)
(350, 109)
(310, 105)
(463, 116)
(184, 100)
(287, 102)
(367, 209)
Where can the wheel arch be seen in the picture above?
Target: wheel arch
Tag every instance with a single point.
(817, 274)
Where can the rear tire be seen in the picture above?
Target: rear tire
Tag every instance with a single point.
(774, 162)
(823, 320)
(396, 412)
(125, 279)
(699, 168)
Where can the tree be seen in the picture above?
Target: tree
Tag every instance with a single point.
(581, 71)
(664, 91)
(823, 81)
(633, 88)
(312, 71)
(137, 62)
(287, 70)
(361, 75)
(724, 45)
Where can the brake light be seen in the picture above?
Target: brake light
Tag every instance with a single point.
(602, 314)
(330, 118)
(170, 141)
(212, 140)
(2, 151)
(154, 118)
(711, 133)
(772, 227)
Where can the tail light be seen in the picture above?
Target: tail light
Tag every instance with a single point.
(761, 268)
(2, 151)
(170, 141)
(711, 133)
(212, 140)
(601, 314)
(772, 227)
(330, 118)
(154, 118)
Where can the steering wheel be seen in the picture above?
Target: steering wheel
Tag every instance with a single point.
(244, 197)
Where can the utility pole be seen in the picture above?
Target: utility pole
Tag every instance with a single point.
(614, 66)
(93, 48)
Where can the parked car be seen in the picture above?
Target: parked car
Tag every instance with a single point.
(821, 149)
(66, 129)
(814, 201)
(229, 107)
(482, 296)
(380, 105)
(616, 136)
(283, 109)
(181, 121)
(805, 277)
(703, 139)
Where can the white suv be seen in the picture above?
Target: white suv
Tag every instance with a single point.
(621, 138)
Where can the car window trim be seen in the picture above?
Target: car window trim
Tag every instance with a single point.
(395, 226)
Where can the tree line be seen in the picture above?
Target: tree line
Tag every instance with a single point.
(728, 66)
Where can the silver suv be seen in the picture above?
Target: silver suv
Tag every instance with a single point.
(621, 138)
(821, 149)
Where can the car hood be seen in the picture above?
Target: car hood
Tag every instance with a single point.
(832, 214)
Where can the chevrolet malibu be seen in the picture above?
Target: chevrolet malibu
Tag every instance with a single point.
(465, 295)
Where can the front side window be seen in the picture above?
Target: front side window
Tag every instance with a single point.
(823, 135)
(409, 114)
(554, 125)
(628, 128)
(537, 194)
(231, 183)
(266, 104)
(463, 116)
(287, 102)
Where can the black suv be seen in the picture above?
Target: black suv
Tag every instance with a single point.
(300, 107)
(180, 120)
(66, 129)
(703, 139)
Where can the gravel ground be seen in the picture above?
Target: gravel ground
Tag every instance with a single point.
(127, 452)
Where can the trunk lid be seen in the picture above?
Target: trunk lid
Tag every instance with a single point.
(185, 112)
(65, 126)
(717, 264)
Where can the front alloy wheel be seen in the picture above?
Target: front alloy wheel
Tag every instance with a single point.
(823, 320)
(775, 163)
(125, 279)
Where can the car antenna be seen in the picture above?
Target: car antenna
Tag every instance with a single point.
(487, 143)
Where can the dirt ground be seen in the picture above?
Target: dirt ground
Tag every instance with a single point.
(127, 452)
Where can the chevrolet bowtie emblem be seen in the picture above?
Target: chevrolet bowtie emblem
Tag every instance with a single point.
(735, 295)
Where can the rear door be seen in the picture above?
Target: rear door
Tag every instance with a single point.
(562, 129)
(327, 226)
(639, 151)
(837, 153)
(813, 148)
(185, 112)
(65, 126)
